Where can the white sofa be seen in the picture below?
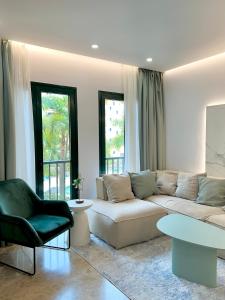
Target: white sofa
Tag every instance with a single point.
(133, 221)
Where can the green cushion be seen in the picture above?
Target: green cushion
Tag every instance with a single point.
(143, 184)
(211, 191)
(47, 225)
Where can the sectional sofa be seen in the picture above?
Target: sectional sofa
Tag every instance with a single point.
(134, 221)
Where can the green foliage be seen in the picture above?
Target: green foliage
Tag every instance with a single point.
(55, 123)
(116, 142)
(78, 182)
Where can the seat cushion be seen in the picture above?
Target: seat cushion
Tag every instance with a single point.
(218, 220)
(125, 223)
(48, 226)
(185, 207)
(126, 210)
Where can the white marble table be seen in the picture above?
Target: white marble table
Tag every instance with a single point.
(80, 233)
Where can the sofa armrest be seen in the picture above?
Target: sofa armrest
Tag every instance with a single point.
(19, 231)
(56, 208)
(101, 189)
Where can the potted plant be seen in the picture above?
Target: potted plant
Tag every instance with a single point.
(78, 183)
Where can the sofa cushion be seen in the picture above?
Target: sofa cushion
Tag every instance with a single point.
(118, 187)
(166, 182)
(125, 223)
(47, 225)
(189, 208)
(211, 191)
(101, 189)
(143, 184)
(187, 185)
(218, 220)
(126, 210)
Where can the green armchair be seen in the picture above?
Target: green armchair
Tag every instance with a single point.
(27, 220)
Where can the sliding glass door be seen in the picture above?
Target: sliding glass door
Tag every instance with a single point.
(56, 142)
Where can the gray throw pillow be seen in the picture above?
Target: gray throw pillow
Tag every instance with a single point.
(211, 191)
(143, 184)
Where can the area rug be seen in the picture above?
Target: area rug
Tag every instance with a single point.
(143, 271)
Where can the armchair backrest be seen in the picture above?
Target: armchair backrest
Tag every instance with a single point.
(17, 198)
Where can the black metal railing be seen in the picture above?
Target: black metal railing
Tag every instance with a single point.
(114, 165)
(57, 180)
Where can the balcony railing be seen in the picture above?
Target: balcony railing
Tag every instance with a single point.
(57, 183)
(57, 180)
(114, 165)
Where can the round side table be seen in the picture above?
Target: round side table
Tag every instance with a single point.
(80, 233)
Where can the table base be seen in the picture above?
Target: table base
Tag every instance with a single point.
(80, 234)
(194, 262)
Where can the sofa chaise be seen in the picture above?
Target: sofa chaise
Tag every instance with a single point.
(134, 221)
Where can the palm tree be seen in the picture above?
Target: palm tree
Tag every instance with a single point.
(55, 125)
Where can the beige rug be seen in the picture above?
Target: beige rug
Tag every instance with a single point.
(143, 271)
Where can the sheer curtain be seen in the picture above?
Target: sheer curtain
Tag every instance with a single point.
(151, 120)
(2, 140)
(19, 158)
(132, 157)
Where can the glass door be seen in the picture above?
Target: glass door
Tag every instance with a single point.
(56, 143)
(111, 133)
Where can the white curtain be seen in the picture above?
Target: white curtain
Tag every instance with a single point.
(132, 157)
(19, 131)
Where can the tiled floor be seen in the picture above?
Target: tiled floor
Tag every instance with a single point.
(61, 275)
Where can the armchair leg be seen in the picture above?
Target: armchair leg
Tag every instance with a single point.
(60, 248)
(21, 270)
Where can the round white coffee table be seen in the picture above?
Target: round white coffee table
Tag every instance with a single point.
(80, 233)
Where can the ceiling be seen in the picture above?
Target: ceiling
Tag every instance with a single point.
(172, 32)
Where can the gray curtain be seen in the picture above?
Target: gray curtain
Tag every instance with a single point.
(7, 134)
(2, 147)
(151, 120)
(2, 139)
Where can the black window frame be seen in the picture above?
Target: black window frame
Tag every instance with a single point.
(36, 89)
(102, 96)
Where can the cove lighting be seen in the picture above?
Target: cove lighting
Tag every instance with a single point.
(199, 62)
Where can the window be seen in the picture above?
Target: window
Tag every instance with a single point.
(56, 140)
(111, 133)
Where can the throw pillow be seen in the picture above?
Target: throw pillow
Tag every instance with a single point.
(211, 191)
(143, 184)
(187, 185)
(118, 187)
(166, 182)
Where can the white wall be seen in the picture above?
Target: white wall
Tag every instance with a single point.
(89, 76)
(188, 90)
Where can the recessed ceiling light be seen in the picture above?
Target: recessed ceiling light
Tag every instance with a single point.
(149, 59)
(94, 46)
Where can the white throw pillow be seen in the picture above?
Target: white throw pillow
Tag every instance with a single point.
(187, 185)
(166, 182)
(118, 187)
